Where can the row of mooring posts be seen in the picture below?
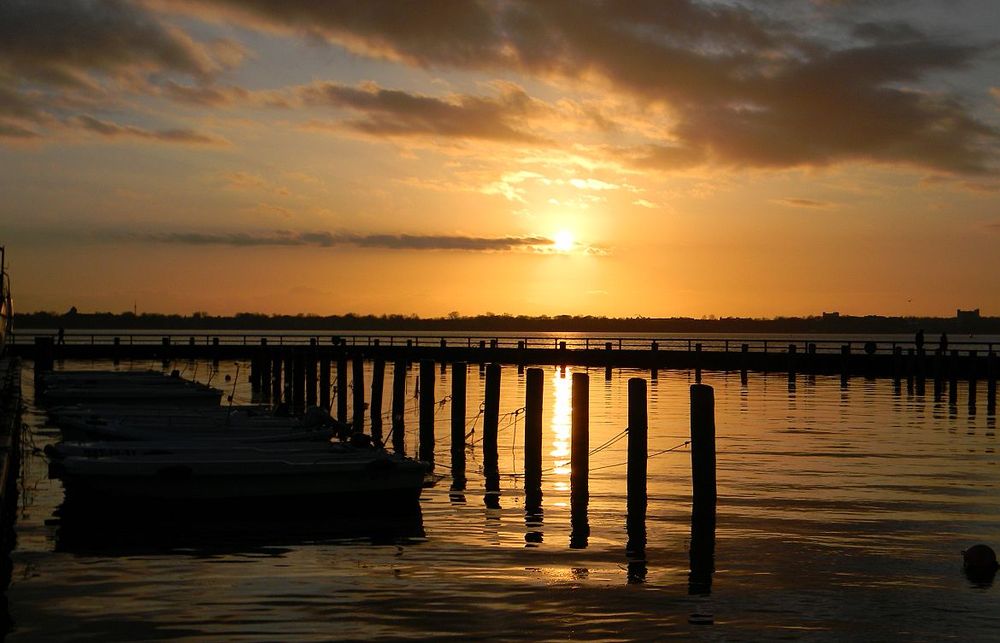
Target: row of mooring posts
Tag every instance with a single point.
(702, 458)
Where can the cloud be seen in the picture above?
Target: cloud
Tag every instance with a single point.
(391, 113)
(205, 95)
(114, 130)
(743, 88)
(803, 203)
(63, 42)
(328, 239)
(15, 131)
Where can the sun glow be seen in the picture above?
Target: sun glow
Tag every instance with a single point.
(563, 241)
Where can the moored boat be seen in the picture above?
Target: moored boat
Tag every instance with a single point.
(339, 472)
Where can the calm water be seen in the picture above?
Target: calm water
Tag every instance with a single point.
(842, 514)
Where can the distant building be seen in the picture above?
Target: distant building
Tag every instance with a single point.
(831, 316)
(965, 316)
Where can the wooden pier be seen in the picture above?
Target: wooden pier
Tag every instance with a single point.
(10, 458)
(871, 358)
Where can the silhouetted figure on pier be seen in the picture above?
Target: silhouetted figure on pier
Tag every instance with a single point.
(61, 336)
(943, 343)
(919, 340)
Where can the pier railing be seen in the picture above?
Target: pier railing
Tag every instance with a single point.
(569, 341)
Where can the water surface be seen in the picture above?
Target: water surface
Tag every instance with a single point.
(842, 514)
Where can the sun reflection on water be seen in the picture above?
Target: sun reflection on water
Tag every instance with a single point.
(562, 412)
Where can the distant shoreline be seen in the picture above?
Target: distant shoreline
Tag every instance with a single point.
(832, 324)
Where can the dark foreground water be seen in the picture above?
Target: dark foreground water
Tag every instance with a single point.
(843, 512)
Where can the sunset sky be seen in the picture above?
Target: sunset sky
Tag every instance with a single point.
(655, 158)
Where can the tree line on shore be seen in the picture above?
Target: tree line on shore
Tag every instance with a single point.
(74, 320)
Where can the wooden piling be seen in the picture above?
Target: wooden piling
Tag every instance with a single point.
(491, 423)
(638, 426)
(399, 406)
(910, 369)
(580, 460)
(275, 382)
(921, 371)
(534, 388)
(459, 376)
(44, 351)
(897, 366)
(358, 391)
(265, 373)
(299, 382)
(939, 372)
(289, 378)
(744, 355)
(342, 389)
(697, 363)
(427, 404)
(792, 351)
(845, 363)
(972, 375)
(953, 378)
(324, 383)
(312, 383)
(991, 382)
(703, 508)
(375, 408)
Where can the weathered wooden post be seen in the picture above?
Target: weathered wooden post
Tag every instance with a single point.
(358, 391)
(953, 378)
(289, 379)
(697, 362)
(792, 350)
(324, 383)
(703, 505)
(638, 426)
(275, 382)
(921, 370)
(991, 382)
(491, 423)
(938, 368)
(215, 352)
(534, 387)
(910, 369)
(342, 388)
(580, 461)
(265, 369)
(973, 375)
(399, 406)
(427, 411)
(845, 363)
(44, 350)
(255, 378)
(459, 375)
(897, 367)
(299, 382)
(744, 355)
(375, 408)
(312, 383)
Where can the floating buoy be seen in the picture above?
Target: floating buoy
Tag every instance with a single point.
(980, 558)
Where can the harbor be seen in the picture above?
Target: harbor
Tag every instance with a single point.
(857, 502)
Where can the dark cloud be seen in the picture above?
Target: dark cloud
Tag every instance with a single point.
(744, 88)
(61, 42)
(389, 112)
(804, 203)
(15, 131)
(327, 239)
(113, 130)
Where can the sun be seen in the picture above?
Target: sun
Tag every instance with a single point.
(563, 241)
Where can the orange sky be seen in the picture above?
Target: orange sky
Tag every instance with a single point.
(609, 158)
